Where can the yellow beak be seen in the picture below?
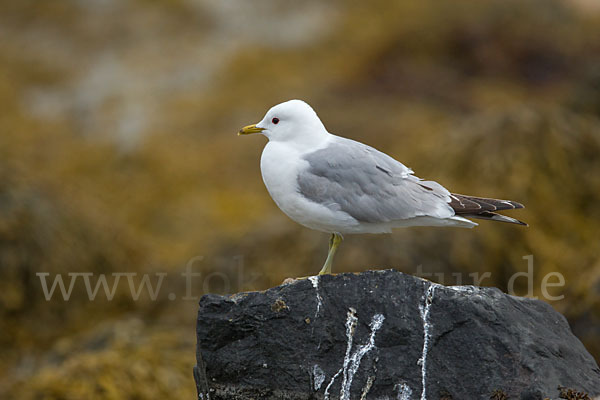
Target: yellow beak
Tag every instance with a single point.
(247, 130)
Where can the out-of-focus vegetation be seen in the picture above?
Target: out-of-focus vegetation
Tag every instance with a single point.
(118, 154)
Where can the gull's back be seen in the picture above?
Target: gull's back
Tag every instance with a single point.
(369, 185)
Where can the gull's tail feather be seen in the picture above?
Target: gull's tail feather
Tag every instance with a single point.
(483, 208)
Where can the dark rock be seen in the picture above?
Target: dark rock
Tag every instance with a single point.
(385, 335)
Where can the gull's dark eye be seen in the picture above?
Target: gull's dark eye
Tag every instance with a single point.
(275, 121)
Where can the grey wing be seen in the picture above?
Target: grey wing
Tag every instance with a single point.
(369, 185)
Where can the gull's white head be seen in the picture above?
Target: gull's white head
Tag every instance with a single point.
(293, 121)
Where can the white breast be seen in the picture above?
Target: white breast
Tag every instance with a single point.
(280, 165)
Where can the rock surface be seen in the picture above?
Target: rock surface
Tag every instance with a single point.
(385, 335)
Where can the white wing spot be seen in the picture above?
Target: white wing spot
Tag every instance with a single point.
(457, 199)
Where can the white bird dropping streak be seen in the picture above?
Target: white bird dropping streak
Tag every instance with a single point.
(352, 360)
(319, 377)
(315, 282)
(351, 321)
(404, 392)
(425, 308)
(358, 355)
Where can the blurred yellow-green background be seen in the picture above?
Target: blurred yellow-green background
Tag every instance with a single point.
(119, 155)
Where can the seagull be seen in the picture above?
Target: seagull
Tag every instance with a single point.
(340, 186)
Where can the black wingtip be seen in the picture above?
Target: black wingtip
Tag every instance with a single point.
(516, 205)
(491, 216)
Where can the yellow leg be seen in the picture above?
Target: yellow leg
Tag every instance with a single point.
(334, 242)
